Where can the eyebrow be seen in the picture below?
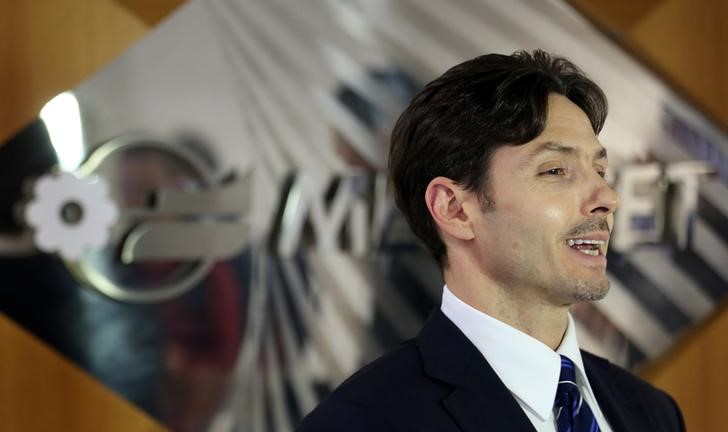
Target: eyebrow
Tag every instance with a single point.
(557, 147)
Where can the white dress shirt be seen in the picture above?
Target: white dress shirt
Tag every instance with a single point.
(528, 368)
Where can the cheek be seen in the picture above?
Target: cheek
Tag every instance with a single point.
(554, 214)
(534, 225)
(535, 215)
(546, 222)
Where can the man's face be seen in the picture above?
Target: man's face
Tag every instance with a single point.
(546, 234)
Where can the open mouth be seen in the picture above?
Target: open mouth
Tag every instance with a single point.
(592, 247)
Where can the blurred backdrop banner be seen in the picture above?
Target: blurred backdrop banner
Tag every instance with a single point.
(204, 225)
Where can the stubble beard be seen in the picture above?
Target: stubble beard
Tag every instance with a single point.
(592, 290)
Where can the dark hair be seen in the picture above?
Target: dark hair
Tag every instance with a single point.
(455, 124)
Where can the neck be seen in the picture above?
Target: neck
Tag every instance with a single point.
(520, 308)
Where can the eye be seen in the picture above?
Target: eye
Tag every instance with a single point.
(555, 172)
(602, 173)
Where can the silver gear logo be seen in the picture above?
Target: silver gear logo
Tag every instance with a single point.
(143, 220)
(70, 215)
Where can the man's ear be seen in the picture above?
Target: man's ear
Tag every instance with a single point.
(445, 199)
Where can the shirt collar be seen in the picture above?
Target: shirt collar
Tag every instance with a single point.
(528, 368)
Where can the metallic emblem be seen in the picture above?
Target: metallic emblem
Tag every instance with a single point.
(175, 219)
(70, 215)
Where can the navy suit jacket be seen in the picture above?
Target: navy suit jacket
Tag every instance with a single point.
(439, 382)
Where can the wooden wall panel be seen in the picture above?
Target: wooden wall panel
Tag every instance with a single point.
(151, 11)
(616, 16)
(48, 46)
(688, 41)
(685, 42)
(41, 391)
(695, 373)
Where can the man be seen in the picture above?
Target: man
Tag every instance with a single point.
(498, 170)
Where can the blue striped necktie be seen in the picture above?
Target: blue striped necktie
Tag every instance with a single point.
(572, 412)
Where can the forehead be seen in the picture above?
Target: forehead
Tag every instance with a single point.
(568, 132)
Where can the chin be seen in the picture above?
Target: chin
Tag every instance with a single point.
(592, 290)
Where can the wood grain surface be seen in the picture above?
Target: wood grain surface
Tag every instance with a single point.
(42, 391)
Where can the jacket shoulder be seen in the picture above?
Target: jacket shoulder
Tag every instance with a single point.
(662, 410)
(379, 394)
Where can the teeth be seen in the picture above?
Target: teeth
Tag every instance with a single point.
(572, 242)
(592, 252)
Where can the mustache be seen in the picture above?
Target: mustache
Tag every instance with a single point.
(589, 226)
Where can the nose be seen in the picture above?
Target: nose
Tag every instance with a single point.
(602, 199)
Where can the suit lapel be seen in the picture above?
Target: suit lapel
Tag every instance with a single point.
(621, 408)
(479, 400)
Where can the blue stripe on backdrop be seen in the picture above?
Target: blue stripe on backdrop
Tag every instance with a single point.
(276, 275)
(649, 295)
(268, 408)
(623, 350)
(635, 356)
(695, 267)
(714, 217)
(384, 331)
(404, 281)
(293, 409)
